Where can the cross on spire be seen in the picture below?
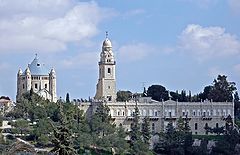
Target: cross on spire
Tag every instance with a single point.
(106, 34)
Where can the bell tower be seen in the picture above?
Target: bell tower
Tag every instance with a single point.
(106, 86)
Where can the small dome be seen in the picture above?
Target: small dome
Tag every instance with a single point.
(27, 71)
(20, 71)
(52, 71)
(107, 43)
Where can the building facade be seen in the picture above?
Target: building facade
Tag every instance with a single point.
(199, 114)
(38, 78)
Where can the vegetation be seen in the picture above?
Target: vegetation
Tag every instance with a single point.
(123, 96)
(65, 129)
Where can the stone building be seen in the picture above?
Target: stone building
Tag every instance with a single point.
(199, 114)
(38, 78)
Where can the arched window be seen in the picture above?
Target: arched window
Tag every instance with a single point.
(214, 112)
(206, 126)
(150, 112)
(183, 113)
(123, 113)
(129, 112)
(196, 126)
(153, 127)
(216, 125)
(109, 70)
(199, 112)
(194, 112)
(144, 113)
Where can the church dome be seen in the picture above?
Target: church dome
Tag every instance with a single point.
(36, 68)
(107, 43)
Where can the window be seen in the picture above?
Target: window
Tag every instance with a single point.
(170, 114)
(194, 113)
(144, 113)
(109, 70)
(150, 112)
(118, 113)
(23, 86)
(109, 98)
(206, 126)
(155, 113)
(216, 125)
(153, 127)
(36, 86)
(123, 113)
(183, 113)
(109, 87)
(196, 126)
(45, 86)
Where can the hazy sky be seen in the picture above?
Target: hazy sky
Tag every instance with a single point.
(180, 44)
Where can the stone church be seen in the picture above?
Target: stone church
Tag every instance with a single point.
(199, 114)
(38, 78)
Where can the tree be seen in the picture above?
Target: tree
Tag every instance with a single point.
(67, 98)
(158, 92)
(102, 128)
(145, 130)
(136, 144)
(62, 137)
(205, 95)
(169, 141)
(230, 139)
(21, 126)
(123, 96)
(120, 144)
(236, 105)
(222, 90)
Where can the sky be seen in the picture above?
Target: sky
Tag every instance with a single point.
(180, 44)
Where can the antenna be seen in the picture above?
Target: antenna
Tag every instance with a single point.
(143, 84)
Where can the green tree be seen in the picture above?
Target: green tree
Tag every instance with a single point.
(120, 144)
(137, 146)
(67, 98)
(146, 130)
(222, 90)
(236, 105)
(157, 92)
(169, 142)
(102, 128)
(123, 96)
(230, 139)
(205, 94)
(62, 137)
(21, 126)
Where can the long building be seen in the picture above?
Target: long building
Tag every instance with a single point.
(199, 114)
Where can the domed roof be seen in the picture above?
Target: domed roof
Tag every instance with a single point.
(36, 68)
(107, 43)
